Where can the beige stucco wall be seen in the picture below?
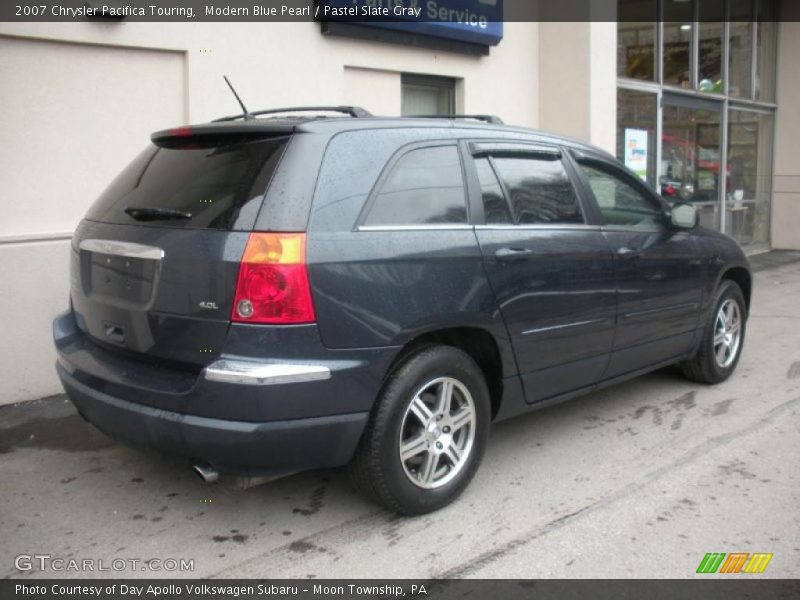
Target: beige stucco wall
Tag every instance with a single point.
(80, 99)
(35, 280)
(786, 193)
(73, 114)
(578, 94)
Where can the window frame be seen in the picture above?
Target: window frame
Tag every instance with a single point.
(476, 148)
(386, 172)
(501, 184)
(432, 82)
(615, 169)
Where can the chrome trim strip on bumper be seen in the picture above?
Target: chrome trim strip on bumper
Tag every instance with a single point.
(126, 249)
(244, 372)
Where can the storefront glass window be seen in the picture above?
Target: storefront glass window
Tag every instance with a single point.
(710, 46)
(636, 39)
(678, 39)
(636, 132)
(741, 49)
(690, 159)
(723, 53)
(749, 176)
(766, 50)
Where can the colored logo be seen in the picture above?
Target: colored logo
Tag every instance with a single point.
(736, 562)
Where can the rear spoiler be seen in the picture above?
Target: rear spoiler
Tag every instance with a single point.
(215, 134)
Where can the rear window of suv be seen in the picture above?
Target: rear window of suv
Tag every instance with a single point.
(199, 186)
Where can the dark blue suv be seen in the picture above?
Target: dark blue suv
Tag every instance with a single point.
(267, 295)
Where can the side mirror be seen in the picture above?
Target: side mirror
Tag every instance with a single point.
(683, 216)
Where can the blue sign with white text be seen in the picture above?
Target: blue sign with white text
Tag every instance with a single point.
(474, 21)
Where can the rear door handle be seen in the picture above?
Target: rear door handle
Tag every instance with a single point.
(626, 252)
(512, 253)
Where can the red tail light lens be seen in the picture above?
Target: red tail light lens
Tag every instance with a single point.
(181, 131)
(273, 281)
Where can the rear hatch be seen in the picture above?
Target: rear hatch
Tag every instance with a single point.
(155, 261)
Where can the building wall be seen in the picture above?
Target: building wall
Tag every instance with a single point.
(72, 115)
(578, 95)
(786, 191)
(80, 99)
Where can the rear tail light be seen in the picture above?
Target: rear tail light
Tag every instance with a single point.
(273, 281)
(180, 132)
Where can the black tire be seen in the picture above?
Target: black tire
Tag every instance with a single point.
(704, 367)
(377, 469)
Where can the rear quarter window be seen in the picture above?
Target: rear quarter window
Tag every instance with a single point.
(424, 186)
(351, 167)
(218, 186)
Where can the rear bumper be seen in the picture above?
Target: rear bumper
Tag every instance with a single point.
(242, 413)
(243, 447)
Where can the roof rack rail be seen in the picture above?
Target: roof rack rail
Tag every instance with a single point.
(354, 111)
(486, 118)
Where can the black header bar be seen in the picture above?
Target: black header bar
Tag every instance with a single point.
(463, 12)
(735, 587)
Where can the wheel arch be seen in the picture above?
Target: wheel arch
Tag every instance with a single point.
(479, 343)
(742, 277)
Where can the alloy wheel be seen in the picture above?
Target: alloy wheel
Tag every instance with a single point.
(727, 333)
(437, 432)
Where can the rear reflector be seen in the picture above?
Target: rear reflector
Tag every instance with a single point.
(273, 283)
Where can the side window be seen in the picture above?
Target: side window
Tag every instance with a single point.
(620, 202)
(425, 186)
(495, 206)
(539, 189)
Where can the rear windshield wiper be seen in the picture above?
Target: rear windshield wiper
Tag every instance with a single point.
(156, 214)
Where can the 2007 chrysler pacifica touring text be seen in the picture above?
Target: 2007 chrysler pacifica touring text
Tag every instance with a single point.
(267, 295)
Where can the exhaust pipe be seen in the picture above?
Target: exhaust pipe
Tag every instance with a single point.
(206, 472)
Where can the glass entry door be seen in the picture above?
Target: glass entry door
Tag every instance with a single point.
(691, 155)
(749, 186)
